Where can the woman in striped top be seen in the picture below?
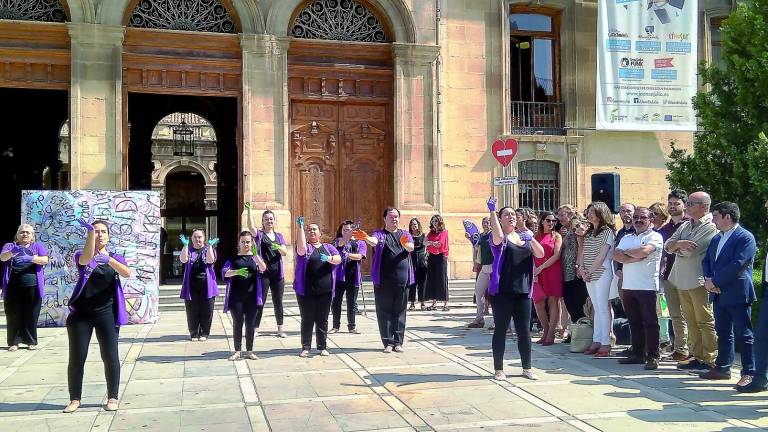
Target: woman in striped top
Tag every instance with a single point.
(594, 266)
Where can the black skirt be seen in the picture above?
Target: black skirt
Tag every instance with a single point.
(437, 278)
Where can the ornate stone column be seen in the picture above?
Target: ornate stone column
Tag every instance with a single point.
(417, 152)
(96, 127)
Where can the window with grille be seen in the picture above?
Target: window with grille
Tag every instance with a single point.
(539, 185)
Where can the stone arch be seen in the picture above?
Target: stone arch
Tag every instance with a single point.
(400, 18)
(246, 12)
(80, 11)
(209, 177)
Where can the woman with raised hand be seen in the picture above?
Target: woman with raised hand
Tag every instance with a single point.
(437, 263)
(349, 278)
(271, 248)
(97, 303)
(23, 286)
(243, 298)
(199, 289)
(511, 285)
(419, 264)
(313, 283)
(392, 274)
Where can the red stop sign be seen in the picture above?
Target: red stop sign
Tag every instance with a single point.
(504, 151)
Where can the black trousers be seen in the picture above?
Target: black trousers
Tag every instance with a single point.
(640, 307)
(271, 281)
(518, 308)
(22, 309)
(199, 312)
(349, 288)
(243, 308)
(575, 296)
(314, 309)
(80, 327)
(418, 288)
(391, 305)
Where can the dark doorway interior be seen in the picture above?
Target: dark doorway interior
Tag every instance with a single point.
(29, 150)
(144, 112)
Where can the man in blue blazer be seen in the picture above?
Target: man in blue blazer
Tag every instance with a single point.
(727, 268)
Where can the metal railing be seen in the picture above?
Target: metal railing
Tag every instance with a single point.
(532, 118)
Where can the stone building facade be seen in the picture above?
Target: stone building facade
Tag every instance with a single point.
(337, 108)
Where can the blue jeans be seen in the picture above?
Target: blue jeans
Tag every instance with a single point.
(761, 342)
(733, 320)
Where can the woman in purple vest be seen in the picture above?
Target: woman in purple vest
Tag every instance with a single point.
(313, 283)
(349, 278)
(243, 298)
(23, 286)
(199, 289)
(511, 286)
(97, 302)
(392, 274)
(272, 249)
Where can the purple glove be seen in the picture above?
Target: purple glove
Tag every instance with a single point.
(491, 204)
(22, 259)
(101, 258)
(10, 247)
(526, 236)
(85, 224)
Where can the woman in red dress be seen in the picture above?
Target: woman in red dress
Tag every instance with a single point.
(549, 277)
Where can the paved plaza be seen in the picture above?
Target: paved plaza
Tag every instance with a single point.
(442, 382)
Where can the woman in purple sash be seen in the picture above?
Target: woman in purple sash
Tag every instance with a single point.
(511, 285)
(349, 278)
(272, 249)
(243, 298)
(23, 286)
(199, 289)
(97, 303)
(314, 282)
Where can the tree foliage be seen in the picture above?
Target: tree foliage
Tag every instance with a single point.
(730, 150)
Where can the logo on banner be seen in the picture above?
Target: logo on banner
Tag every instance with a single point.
(661, 63)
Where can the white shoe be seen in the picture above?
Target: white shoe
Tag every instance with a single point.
(527, 373)
(13, 348)
(399, 349)
(203, 339)
(251, 356)
(499, 376)
(325, 353)
(235, 356)
(304, 354)
(256, 333)
(388, 349)
(32, 347)
(111, 405)
(72, 407)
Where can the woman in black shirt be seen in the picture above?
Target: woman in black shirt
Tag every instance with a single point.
(419, 262)
(243, 298)
(511, 285)
(313, 282)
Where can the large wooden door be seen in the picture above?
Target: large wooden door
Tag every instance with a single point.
(342, 162)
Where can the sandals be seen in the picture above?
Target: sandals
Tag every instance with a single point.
(422, 306)
(446, 308)
(412, 307)
(72, 406)
(429, 308)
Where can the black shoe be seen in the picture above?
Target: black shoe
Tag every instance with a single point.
(651, 364)
(629, 352)
(753, 387)
(567, 340)
(715, 374)
(694, 365)
(632, 360)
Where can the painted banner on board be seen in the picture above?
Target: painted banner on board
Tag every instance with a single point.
(134, 225)
(646, 65)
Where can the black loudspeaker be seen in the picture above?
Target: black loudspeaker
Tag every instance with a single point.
(606, 187)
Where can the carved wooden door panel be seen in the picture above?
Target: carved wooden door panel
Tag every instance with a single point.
(313, 152)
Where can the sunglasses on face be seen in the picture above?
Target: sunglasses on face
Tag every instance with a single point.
(550, 220)
(639, 218)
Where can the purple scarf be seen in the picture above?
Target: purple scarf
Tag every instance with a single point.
(37, 249)
(213, 289)
(379, 248)
(84, 272)
(341, 270)
(498, 263)
(300, 272)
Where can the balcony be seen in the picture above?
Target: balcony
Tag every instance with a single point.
(538, 118)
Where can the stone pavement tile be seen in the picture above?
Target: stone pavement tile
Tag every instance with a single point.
(366, 404)
(497, 403)
(150, 400)
(451, 414)
(338, 384)
(72, 423)
(604, 395)
(150, 371)
(370, 421)
(290, 361)
(414, 378)
(537, 426)
(755, 413)
(212, 416)
(166, 385)
(258, 420)
(303, 416)
(662, 420)
(165, 420)
(93, 394)
(206, 368)
(199, 394)
(283, 386)
(220, 427)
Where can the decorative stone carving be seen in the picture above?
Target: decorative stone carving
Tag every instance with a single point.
(32, 10)
(344, 20)
(189, 15)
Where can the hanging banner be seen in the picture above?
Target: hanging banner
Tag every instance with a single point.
(134, 233)
(646, 65)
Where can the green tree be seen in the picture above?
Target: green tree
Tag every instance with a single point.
(730, 150)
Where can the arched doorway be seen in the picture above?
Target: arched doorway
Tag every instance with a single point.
(340, 83)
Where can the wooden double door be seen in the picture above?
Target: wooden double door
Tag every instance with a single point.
(342, 162)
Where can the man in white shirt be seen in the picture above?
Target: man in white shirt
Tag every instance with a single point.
(640, 253)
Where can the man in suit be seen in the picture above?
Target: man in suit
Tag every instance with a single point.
(727, 268)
